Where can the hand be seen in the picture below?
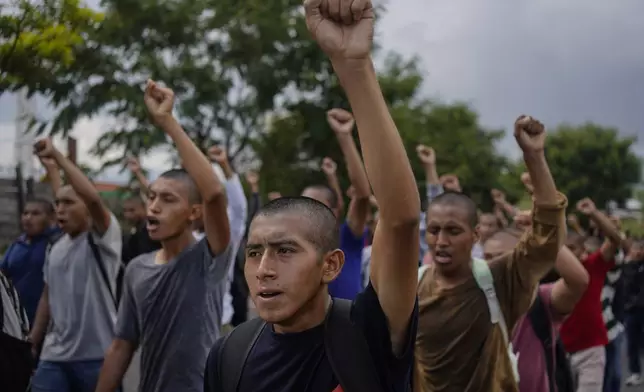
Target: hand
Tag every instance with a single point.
(450, 183)
(426, 154)
(133, 165)
(340, 121)
(351, 192)
(329, 167)
(159, 102)
(530, 134)
(342, 28)
(572, 220)
(498, 196)
(252, 178)
(48, 163)
(217, 154)
(44, 149)
(274, 195)
(373, 201)
(586, 206)
(527, 182)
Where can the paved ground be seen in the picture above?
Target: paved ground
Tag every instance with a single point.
(625, 373)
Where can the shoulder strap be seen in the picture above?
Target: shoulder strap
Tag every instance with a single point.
(101, 267)
(234, 352)
(421, 271)
(485, 281)
(16, 306)
(348, 351)
(541, 324)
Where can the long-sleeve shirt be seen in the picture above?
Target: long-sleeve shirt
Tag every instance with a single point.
(237, 211)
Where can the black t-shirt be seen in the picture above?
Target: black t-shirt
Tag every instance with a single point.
(138, 243)
(297, 362)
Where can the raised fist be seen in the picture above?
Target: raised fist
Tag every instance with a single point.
(340, 121)
(44, 148)
(133, 164)
(252, 178)
(217, 154)
(426, 154)
(530, 134)
(586, 206)
(48, 163)
(342, 28)
(572, 220)
(498, 196)
(450, 183)
(159, 102)
(329, 166)
(274, 195)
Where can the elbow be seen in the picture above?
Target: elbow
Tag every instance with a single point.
(215, 195)
(582, 281)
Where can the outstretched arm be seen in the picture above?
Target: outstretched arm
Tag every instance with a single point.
(159, 101)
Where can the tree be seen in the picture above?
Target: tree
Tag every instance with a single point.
(45, 44)
(297, 141)
(593, 161)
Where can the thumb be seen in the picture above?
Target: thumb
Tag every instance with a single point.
(313, 14)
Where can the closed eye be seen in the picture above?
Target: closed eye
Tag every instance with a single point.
(283, 250)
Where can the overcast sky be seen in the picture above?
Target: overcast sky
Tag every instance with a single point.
(561, 61)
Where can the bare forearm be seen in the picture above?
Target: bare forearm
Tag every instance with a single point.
(334, 184)
(606, 226)
(384, 154)
(568, 290)
(356, 171)
(41, 321)
(194, 161)
(227, 168)
(143, 181)
(54, 179)
(78, 180)
(545, 190)
(117, 360)
(431, 175)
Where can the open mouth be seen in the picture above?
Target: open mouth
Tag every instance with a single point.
(443, 257)
(266, 295)
(153, 223)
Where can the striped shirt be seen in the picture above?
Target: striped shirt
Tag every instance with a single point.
(613, 326)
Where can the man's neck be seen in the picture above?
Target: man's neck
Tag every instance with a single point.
(309, 316)
(172, 247)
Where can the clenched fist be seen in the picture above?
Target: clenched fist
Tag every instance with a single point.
(342, 28)
(159, 101)
(340, 121)
(530, 134)
(329, 166)
(427, 155)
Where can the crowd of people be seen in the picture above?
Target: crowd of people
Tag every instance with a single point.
(382, 297)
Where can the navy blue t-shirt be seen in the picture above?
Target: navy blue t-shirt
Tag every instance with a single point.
(349, 283)
(297, 362)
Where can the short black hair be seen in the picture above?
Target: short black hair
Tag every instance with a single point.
(331, 196)
(46, 204)
(135, 198)
(324, 231)
(458, 199)
(183, 176)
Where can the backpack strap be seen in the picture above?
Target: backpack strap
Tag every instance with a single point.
(101, 267)
(421, 271)
(234, 351)
(485, 281)
(542, 326)
(348, 351)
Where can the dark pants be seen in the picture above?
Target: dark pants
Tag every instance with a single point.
(634, 327)
(74, 376)
(613, 369)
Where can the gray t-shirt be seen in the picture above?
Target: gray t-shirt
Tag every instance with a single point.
(173, 311)
(82, 312)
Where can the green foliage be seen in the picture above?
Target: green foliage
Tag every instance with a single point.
(593, 161)
(44, 42)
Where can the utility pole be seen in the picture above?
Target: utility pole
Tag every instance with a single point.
(24, 138)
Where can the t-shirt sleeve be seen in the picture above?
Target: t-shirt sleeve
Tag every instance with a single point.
(350, 241)
(216, 265)
(127, 322)
(367, 314)
(211, 375)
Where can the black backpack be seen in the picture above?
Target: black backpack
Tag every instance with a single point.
(345, 346)
(559, 373)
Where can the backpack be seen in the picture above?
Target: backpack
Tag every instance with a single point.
(16, 360)
(485, 281)
(345, 345)
(560, 376)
